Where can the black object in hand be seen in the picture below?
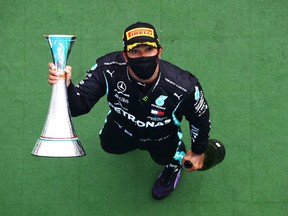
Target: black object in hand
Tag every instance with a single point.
(188, 164)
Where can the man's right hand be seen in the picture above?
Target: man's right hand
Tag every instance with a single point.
(54, 76)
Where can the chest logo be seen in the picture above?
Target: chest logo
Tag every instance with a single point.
(110, 73)
(178, 96)
(121, 86)
(160, 100)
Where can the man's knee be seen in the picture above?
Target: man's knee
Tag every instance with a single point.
(116, 146)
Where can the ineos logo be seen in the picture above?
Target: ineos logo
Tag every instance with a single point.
(121, 86)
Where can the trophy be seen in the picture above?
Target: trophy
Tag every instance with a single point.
(58, 138)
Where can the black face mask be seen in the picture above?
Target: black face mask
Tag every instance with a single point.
(143, 67)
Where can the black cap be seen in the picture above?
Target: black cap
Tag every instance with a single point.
(140, 34)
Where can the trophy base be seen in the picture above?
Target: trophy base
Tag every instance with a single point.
(58, 148)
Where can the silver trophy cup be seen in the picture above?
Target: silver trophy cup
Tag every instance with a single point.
(58, 138)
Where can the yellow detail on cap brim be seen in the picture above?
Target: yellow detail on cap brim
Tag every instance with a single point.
(131, 46)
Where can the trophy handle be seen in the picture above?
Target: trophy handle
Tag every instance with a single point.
(58, 138)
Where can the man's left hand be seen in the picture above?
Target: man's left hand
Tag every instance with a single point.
(197, 160)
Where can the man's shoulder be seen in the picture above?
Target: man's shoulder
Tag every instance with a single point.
(177, 74)
(113, 58)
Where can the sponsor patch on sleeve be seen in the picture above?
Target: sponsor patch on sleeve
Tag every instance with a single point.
(200, 106)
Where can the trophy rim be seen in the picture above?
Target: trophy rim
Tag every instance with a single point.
(59, 35)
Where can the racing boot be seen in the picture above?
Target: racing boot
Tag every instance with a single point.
(166, 181)
(168, 178)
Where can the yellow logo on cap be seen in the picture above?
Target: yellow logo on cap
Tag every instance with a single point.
(137, 32)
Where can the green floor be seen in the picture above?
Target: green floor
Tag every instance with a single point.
(237, 48)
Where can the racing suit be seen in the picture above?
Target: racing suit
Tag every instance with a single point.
(149, 120)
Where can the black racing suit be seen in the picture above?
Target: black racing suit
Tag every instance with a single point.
(149, 121)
